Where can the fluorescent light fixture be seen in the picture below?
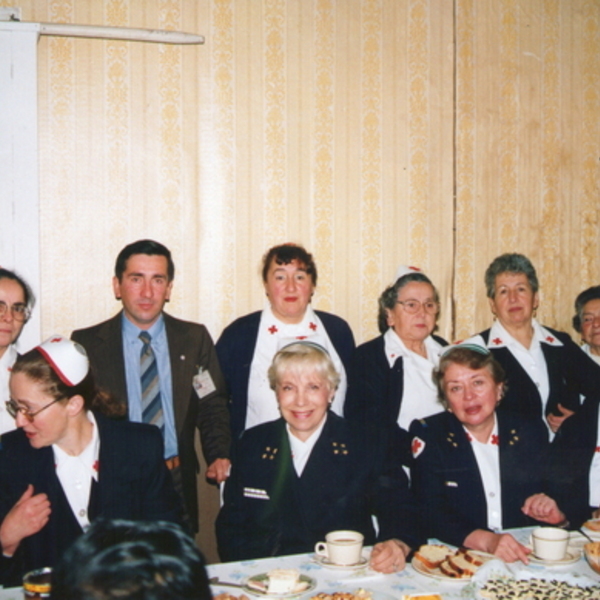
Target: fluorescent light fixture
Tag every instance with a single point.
(130, 34)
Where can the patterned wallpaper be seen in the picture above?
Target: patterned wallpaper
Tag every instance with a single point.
(376, 132)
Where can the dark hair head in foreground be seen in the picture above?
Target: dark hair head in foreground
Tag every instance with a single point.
(130, 560)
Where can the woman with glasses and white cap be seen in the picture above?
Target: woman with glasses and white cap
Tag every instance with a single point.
(16, 302)
(68, 464)
(310, 472)
(390, 381)
(478, 471)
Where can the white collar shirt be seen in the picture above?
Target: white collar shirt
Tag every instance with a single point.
(594, 475)
(75, 474)
(301, 450)
(419, 393)
(487, 456)
(586, 348)
(532, 360)
(262, 402)
(7, 423)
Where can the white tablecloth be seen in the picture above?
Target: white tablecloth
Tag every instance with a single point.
(395, 585)
(385, 587)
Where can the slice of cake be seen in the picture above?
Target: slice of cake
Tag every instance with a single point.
(284, 581)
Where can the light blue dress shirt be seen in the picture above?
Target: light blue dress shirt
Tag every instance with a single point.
(132, 348)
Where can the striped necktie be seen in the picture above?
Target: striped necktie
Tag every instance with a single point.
(152, 411)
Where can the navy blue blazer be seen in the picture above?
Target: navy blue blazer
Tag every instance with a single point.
(235, 349)
(571, 373)
(447, 482)
(133, 483)
(571, 454)
(375, 390)
(190, 347)
(269, 511)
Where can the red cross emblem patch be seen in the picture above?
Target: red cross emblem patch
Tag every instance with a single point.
(417, 446)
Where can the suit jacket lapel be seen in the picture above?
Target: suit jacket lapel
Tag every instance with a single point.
(518, 379)
(555, 357)
(462, 456)
(111, 361)
(183, 368)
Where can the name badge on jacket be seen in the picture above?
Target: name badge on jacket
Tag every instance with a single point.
(203, 383)
(255, 493)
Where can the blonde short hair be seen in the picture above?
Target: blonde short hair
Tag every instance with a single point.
(303, 357)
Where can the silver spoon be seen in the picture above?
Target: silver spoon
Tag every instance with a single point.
(215, 581)
(585, 534)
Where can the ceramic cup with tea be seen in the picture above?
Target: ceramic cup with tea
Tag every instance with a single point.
(341, 547)
(550, 543)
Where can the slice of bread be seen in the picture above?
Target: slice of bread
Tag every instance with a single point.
(473, 557)
(459, 563)
(432, 555)
(449, 571)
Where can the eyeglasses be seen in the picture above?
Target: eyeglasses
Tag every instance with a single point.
(19, 311)
(589, 319)
(413, 306)
(14, 409)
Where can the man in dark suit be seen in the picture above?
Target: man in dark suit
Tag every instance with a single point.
(186, 388)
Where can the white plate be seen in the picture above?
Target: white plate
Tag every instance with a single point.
(311, 584)
(419, 567)
(324, 562)
(595, 523)
(577, 540)
(374, 595)
(572, 556)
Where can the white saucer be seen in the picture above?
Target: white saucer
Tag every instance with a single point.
(324, 562)
(309, 584)
(572, 556)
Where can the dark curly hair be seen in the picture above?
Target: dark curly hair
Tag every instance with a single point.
(284, 254)
(27, 292)
(592, 293)
(389, 297)
(132, 560)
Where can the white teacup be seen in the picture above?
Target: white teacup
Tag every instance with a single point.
(341, 547)
(550, 543)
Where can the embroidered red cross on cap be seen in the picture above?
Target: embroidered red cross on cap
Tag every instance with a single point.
(67, 359)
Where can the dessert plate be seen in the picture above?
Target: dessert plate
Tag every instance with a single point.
(419, 567)
(253, 585)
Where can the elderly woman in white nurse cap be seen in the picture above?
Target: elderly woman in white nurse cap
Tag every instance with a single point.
(390, 381)
(68, 464)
